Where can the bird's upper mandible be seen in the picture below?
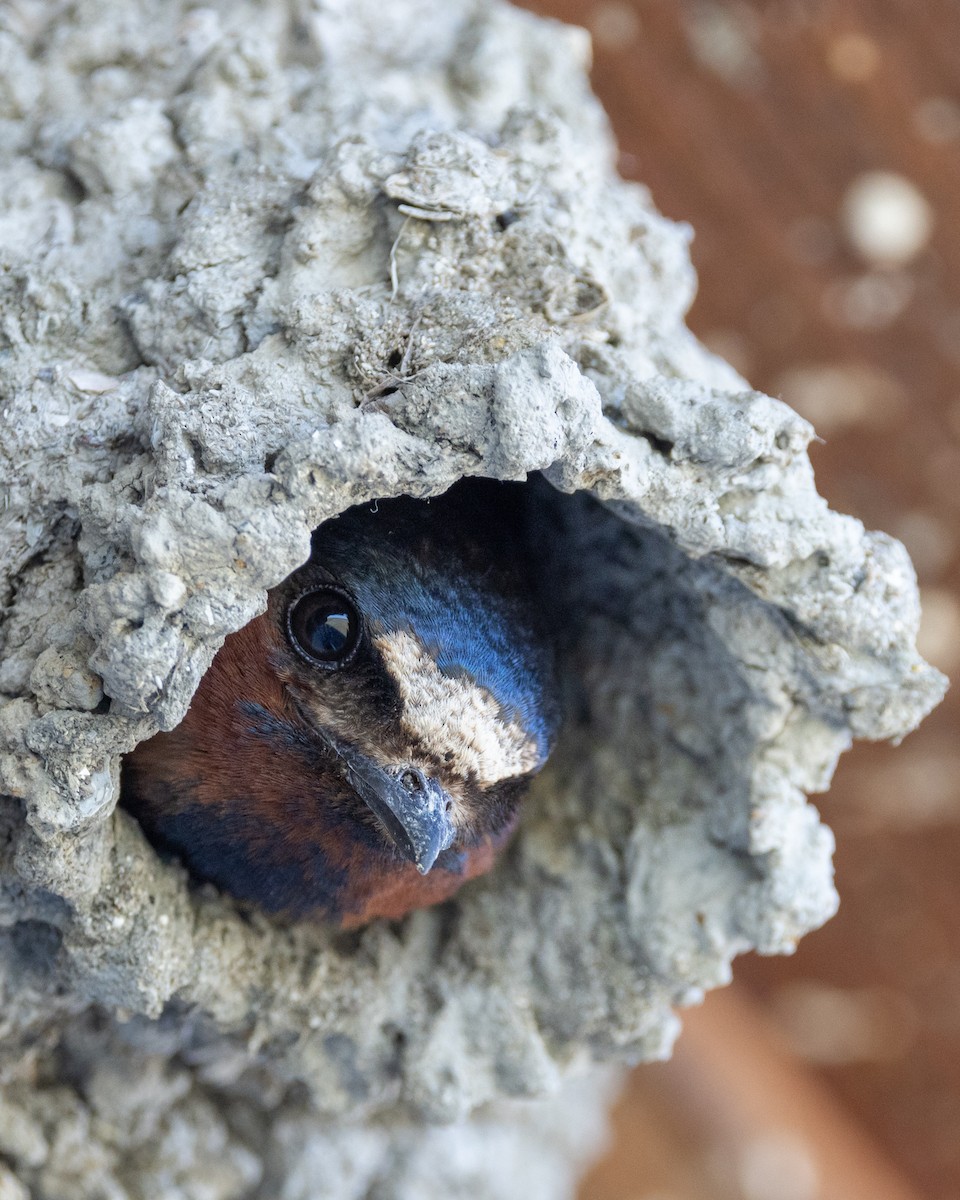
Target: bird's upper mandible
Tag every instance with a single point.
(360, 749)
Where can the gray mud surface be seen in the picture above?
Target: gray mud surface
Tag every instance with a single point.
(263, 261)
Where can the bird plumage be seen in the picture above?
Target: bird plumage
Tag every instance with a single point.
(361, 748)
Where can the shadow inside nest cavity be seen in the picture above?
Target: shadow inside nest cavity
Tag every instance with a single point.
(655, 689)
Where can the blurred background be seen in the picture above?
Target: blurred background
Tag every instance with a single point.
(814, 146)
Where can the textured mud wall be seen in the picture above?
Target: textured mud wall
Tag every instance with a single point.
(288, 258)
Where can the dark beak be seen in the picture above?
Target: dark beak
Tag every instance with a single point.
(413, 808)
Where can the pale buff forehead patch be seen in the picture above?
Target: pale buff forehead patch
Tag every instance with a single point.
(453, 716)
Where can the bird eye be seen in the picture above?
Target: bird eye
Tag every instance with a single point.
(323, 626)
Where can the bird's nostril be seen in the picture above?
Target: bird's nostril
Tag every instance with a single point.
(412, 781)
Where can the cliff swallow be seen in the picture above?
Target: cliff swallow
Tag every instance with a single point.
(361, 748)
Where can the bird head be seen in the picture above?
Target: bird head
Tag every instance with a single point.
(376, 726)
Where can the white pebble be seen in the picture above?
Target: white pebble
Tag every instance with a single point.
(94, 382)
(886, 218)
